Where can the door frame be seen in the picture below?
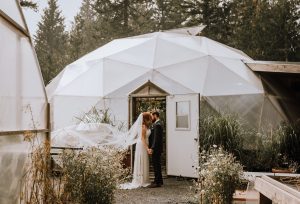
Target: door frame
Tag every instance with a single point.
(160, 93)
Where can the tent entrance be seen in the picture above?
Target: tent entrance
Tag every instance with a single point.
(149, 97)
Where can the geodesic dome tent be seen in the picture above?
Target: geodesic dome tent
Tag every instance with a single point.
(23, 102)
(176, 63)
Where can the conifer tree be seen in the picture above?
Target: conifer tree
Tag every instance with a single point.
(51, 42)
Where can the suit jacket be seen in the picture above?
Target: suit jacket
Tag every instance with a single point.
(156, 138)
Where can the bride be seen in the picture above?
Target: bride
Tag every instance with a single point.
(141, 158)
(100, 134)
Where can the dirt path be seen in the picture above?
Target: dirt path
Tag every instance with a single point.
(173, 191)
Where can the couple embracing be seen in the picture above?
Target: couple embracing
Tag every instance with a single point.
(149, 143)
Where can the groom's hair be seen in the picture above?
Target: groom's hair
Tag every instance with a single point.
(156, 113)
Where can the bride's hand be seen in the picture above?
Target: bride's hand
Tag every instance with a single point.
(149, 151)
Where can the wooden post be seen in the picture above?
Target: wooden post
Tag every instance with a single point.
(47, 147)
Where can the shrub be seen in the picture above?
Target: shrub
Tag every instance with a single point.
(92, 176)
(263, 155)
(219, 176)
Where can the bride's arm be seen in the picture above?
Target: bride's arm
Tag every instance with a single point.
(144, 131)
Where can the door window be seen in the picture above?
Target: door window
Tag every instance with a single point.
(183, 115)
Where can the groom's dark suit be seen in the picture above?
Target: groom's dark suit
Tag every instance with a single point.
(156, 144)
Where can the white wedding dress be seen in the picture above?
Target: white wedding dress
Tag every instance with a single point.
(141, 165)
(98, 134)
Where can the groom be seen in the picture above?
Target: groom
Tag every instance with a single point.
(156, 148)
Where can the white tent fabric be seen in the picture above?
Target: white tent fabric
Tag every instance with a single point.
(177, 63)
(23, 101)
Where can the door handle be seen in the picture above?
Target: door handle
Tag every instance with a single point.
(196, 139)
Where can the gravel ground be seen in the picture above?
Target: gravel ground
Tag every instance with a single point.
(173, 191)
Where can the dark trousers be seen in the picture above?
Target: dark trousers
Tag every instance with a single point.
(156, 162)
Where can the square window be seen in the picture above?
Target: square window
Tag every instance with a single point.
(183, 115)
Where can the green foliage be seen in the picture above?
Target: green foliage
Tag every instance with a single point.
(267, 30)
(170, 14)
(289, 141)
(219, 176)
(92, 176)
(51, 42)
(29, 4)
(256, 151)
(100, 21)
(264, 154)
(278, 148)
(215, 14)
(223, 130)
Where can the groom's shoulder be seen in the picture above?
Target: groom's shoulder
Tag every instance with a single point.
(159, 123)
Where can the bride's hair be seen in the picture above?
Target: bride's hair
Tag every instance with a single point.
(147, 119)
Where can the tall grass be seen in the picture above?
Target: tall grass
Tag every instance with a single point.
(222, 130)
(289, 141)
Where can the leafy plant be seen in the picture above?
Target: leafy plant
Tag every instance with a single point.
(219, 176)
(223, 130)
(289, 140)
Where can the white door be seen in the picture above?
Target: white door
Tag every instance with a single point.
(182, 135)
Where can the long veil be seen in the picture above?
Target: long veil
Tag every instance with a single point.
(98, 135)
(86, 135)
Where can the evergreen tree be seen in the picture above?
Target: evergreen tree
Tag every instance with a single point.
(170, 14)
(125, 18)
(100, 21)
(267, 30)
(51, 42)
(263, 29)
(83, 35)
(286, 24)
(216, 15)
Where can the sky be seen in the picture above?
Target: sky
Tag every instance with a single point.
(69, 9)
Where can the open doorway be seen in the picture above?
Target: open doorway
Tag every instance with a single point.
(147, 98)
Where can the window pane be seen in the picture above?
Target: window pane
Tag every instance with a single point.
(182, 114)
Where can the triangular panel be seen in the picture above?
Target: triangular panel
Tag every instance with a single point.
(221, 81)
(191, 73)
(168, 53)
(193, 43)
(238, 67)
(13, 11)
(89, 83)
(111, 48)
(141, 55)
(117, 74)
(217, 49)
